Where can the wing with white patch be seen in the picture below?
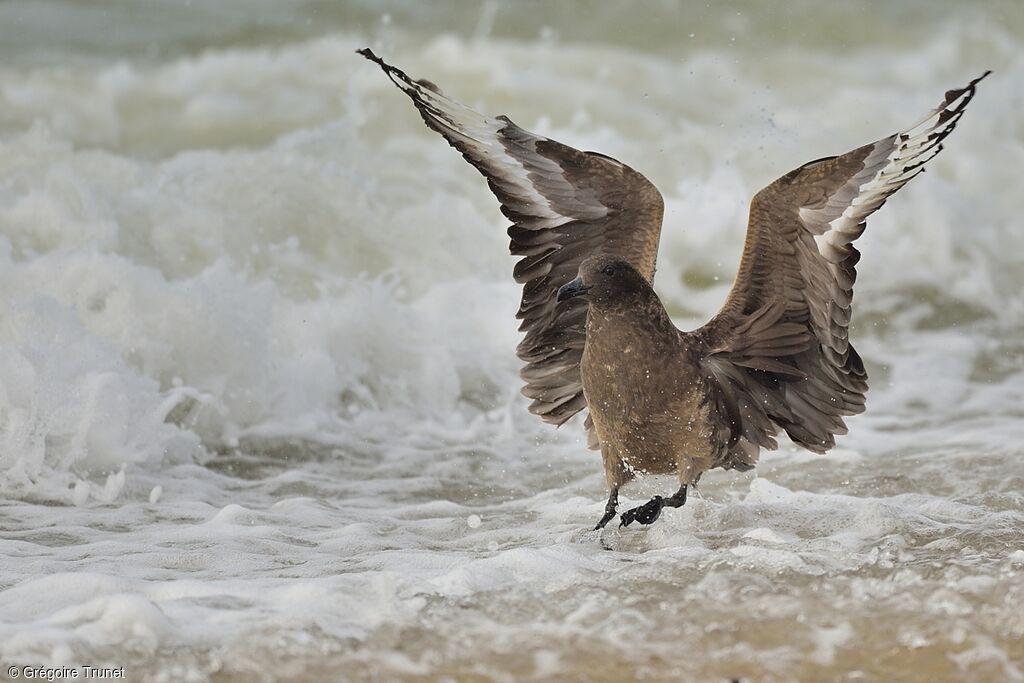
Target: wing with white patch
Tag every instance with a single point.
(779, 348)
(565, 205)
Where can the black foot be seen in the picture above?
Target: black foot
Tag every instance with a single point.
(609, 508)
(608, 515)
(645, 514)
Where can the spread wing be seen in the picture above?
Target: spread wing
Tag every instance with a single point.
(779, 348)
(565, 205)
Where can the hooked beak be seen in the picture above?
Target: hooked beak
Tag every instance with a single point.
(571, 289)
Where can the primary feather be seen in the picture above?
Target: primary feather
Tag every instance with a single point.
(776, 357)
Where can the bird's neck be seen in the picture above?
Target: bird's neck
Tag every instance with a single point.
(644, 313)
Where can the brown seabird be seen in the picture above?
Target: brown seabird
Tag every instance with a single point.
(776, 357)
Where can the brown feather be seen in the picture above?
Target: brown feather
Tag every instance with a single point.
(776, 357)
(565, 204)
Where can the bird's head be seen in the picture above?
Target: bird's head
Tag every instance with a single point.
(605, 281)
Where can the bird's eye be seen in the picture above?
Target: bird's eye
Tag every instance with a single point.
(608, 270)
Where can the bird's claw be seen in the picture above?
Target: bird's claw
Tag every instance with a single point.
(645, 514)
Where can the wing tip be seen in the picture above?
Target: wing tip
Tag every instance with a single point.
(391, 71)
(400, 78)
(369, 54)
(969, 89)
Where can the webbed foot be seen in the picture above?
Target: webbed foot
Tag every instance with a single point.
(647, 513)
(608, 515)
(609, 508)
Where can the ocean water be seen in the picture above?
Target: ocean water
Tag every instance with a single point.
(259, 406)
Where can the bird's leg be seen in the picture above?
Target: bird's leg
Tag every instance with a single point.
(609, 508)
(651, 510)
(616, 473)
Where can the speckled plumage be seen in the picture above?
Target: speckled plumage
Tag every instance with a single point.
(776, 357)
